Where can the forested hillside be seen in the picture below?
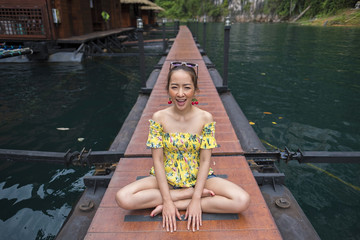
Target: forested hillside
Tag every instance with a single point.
(188, 9)
(251, 10)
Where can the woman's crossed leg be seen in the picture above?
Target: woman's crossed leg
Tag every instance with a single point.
(219, 196)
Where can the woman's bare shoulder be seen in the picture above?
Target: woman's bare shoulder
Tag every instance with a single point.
(206, 117)
(160, 116)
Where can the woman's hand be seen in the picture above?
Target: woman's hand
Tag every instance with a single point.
(169, 214)
(194, 215)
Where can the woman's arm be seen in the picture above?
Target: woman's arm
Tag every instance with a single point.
(205, 156)
(204, 166)
(194, 212)
(169, 212)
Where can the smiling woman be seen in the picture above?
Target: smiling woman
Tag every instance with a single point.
(182, 137)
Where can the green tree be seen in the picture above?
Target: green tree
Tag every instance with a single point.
(286, 9)
(185, 9)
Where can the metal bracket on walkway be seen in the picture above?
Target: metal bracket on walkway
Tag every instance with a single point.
(320, 156)
(82, 158)
(308, 156)
(262, 165)
(265, 171)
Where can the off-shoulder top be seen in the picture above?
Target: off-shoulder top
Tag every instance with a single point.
(181, 152)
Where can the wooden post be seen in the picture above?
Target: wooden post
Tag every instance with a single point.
(226, 51)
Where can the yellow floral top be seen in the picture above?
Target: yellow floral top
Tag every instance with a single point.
(181, 152)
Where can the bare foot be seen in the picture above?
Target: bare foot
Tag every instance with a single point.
(207, 193)
(156, 211)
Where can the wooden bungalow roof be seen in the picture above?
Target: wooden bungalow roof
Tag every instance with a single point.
(155, 8)
(152, 6)
(146, 2)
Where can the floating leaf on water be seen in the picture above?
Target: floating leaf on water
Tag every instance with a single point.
(267, 113)
(281, 117)
(263, 74)
(274, 123)
(81, 139)
(63, 129)
(251, 123)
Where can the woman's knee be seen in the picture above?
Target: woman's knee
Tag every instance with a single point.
(123, 199)
(125, 196)
(242, 201)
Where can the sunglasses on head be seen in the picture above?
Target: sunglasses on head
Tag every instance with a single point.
(187, 64)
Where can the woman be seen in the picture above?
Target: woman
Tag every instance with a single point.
(181, 138)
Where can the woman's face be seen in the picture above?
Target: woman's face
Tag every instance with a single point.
(181, 89)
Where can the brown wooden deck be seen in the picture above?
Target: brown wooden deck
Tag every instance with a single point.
(92, 36)
(112, 222)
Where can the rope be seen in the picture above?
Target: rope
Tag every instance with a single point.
(319, 169)
(335, 177)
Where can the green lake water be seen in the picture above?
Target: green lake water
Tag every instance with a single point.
(307, 77)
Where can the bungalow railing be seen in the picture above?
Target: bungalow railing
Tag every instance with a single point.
(23, 23)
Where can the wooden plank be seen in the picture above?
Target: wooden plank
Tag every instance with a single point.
(110, 220)
(94, 35)
(259, 234)
(257, 216)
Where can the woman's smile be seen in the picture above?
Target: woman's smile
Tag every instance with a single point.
(181, 89)
(181, 102)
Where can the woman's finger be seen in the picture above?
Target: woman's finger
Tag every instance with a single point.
(178, 214)
(170, 223)
(198, 220)
(167, 224)
(174, 223)
(189, 222)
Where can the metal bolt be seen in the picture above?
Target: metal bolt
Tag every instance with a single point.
(282, 203)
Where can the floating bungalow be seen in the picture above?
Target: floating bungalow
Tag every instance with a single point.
(45, 25)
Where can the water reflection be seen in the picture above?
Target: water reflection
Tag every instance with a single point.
(35, 205)
(90, 100)
(38, 226)
(11, 193)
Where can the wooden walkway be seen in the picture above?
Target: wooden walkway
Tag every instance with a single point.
(93, 36)
(112, 222)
